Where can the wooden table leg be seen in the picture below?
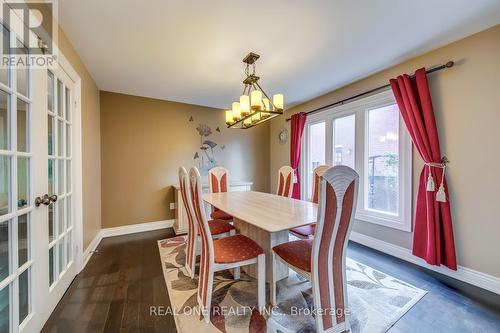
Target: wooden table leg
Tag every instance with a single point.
(267, 241)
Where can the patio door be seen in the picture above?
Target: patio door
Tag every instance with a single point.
(37, 200)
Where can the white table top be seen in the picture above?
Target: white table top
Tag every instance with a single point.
(266, 211)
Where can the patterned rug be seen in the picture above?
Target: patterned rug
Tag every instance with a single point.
(376, 300)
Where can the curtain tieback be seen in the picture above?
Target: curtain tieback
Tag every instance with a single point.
(431, 187)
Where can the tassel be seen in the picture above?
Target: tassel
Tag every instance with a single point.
(440, 194)
(430, 182)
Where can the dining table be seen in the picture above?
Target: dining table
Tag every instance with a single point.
(266, 219)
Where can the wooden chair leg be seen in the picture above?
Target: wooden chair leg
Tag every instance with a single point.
(208, 305)
(261, 264)
(273, 280)
(236, 273)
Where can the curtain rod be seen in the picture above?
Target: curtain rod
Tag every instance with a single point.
(449, 64)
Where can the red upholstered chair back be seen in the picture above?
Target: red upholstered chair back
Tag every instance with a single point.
(317, 173)
(285, 181)
(338, 193)
(207, 247)
(192, 227)
(217, 179)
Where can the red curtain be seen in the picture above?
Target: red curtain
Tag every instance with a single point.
(433, 229)
(298, 122)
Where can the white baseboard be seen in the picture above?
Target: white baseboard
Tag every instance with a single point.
(473, 277)
(134, 228)
(123, 230)
(91, 248)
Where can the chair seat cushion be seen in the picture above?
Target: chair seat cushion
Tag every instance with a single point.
(218, 227)
(235, 248)
(305, 231)
(220, 215)
(296, 253)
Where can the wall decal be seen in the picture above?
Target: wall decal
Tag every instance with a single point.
(207, 147)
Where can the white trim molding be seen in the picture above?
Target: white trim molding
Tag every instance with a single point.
(135, 228)
(122, 230)
(90, 249)
(467, 275)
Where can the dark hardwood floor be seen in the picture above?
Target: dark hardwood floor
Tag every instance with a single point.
(124, 278)
(116, 289)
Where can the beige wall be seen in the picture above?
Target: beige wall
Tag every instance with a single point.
(467, 106)
(144, 141)
(91, 144)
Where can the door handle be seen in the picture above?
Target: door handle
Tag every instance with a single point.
(46, 200)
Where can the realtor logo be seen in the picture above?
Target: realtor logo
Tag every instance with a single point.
(33, 32)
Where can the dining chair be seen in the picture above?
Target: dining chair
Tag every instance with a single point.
(322, 259)
(224, 253)
(307, 231)
(285, 181)
(217, 181)
(218, 228)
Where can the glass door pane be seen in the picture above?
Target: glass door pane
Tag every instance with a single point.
(383, 160)
(344, 139)
(317, 151)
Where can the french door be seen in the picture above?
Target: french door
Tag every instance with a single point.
(37, 172)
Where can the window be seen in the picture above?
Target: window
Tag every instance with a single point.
(367, 135)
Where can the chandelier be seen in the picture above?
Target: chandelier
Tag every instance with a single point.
(255, 106)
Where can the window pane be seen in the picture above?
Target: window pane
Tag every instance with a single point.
(59, 98)
(316, 150)
(4, 250)
(68, 105)
(383, 159)
(22, 72)
(51, 266)
(68, 212)
(22, 232)
(24, 302)
(68, 176)
(60, 216)
(344, 140)
(4, 40)
(50, 91)
(4, 309)
(4, 120)
(61, 247)
(68, 140)
(51, 176)
(22, 182)
(60, 177)
(69, 253)
(51, 223)
(60, 138)
(50, 134)
(4, 184)
(22, 126)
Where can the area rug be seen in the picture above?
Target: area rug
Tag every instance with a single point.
(376, 300)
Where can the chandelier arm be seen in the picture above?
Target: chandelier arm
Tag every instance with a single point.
(270, 100)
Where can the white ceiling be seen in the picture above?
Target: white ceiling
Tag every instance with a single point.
(190, 51)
